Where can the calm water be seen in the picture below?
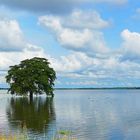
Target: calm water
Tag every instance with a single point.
(89, 114)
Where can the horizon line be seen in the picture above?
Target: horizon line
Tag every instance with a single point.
(70, 88)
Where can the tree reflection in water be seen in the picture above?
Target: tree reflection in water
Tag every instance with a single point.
(35, 116)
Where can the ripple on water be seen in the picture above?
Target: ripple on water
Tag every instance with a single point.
(88, 114)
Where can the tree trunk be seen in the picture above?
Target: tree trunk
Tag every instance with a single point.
(31, 96)
(52, 95)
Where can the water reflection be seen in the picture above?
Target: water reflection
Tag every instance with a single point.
(90, 115)
(35, 116)
(96, 115)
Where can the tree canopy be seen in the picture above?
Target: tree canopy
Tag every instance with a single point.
(31, 76)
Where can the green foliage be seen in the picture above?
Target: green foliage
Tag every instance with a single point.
(64, 135)
(64, 132)
(31, 76)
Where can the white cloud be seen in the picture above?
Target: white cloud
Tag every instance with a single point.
(11, 58)
(96, 68)
(76, 34)
(82, 67)
(2, 76)
(131, 40)
(13, 46)
(87, 70)
(78, 19)
(82, 83)
(11, 37)
(131, 45)
(85, 19)
(87, 41)
(79, 63)
(71, 63)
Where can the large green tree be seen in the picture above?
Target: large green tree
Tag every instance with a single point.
(31, 76)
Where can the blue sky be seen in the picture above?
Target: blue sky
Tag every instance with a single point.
(90, 43)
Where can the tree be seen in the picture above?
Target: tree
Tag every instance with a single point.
(31, 76)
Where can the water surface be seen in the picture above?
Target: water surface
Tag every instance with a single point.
(88, 114)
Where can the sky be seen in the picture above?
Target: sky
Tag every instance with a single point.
(89, 43)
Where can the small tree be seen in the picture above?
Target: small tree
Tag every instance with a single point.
(31, 76)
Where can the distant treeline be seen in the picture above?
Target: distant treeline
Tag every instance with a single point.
(4, 88)
(97, 88)
(88, 88)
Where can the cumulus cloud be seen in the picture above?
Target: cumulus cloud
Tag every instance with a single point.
(13, 46)
(84, 19)
(11, 37)
(87, 70)
(72, 63)
(102, 71)
(53, 6)
(82, 83)
(79, 31)
(90, 42)
(130, 46)
(80, 19)
(11, 58)
(79, 64)
(87, 40)
(82, 67)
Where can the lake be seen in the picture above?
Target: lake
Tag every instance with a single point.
(88, 114)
